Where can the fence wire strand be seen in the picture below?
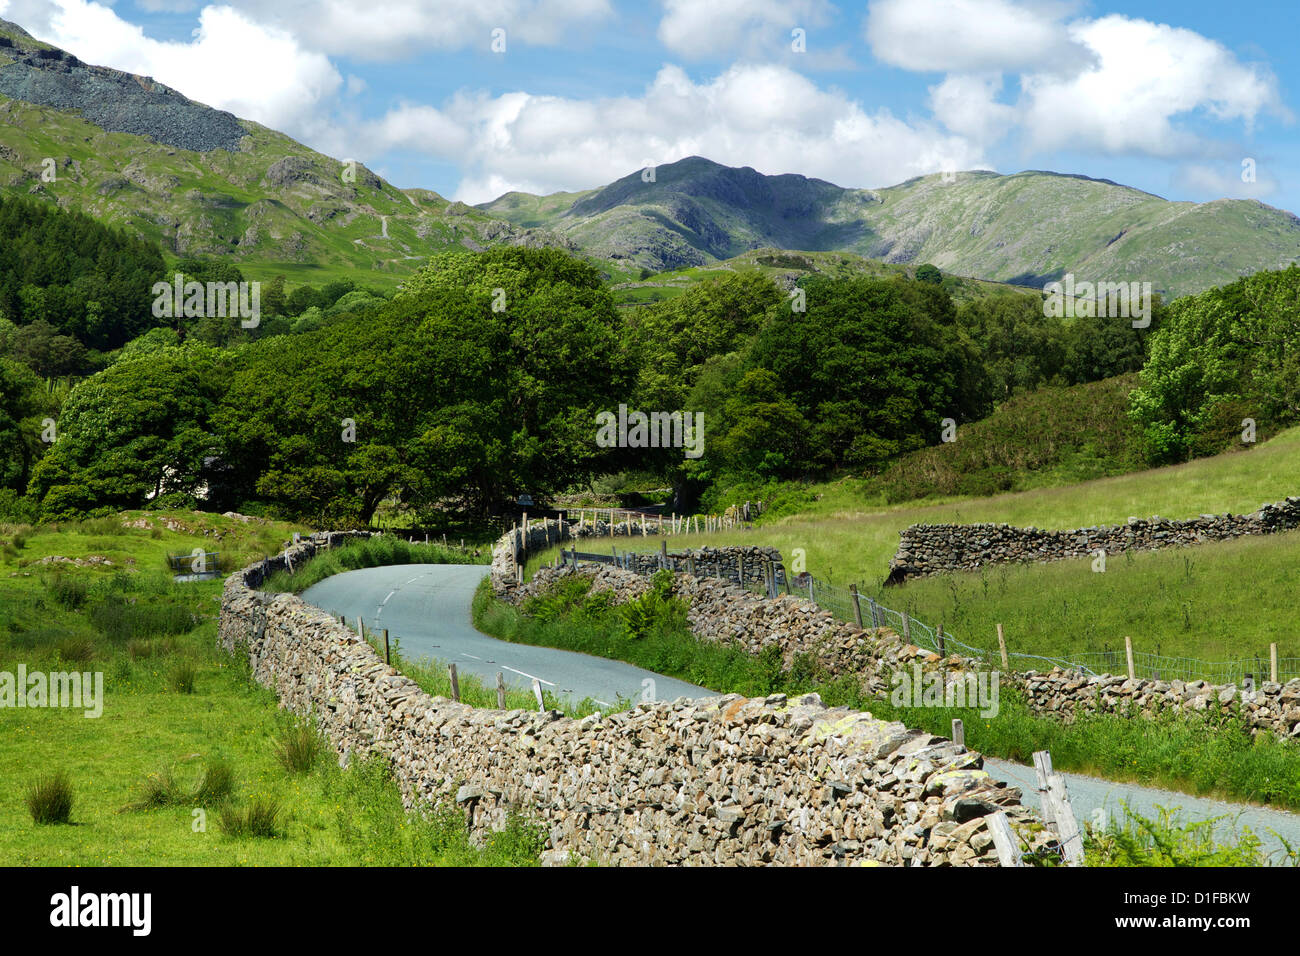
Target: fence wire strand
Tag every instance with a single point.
(1147, 665)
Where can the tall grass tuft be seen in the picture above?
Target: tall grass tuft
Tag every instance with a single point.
(217, 783)
(68, 590)
(298, 746)
(156, 790)
(181, 677)
(257, 818)
(49, 798)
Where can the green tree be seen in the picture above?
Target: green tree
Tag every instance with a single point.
(873, 366)
(23, 406)
(1231, 349)
(138, 428)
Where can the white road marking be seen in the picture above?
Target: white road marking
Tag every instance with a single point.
(471, 655)
(529, 676)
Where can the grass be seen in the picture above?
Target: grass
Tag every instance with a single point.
(1193, 754)
(49, 799)
(1219, 601)
(174, 762)
(298, 746)
(1214, 602)
(257, 818)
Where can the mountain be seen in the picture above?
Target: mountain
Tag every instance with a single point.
(1028, 228)
(202, 182)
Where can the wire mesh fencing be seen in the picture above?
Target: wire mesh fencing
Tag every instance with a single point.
(841, 603)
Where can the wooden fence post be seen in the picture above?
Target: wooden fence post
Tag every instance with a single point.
(455, 683)
(958, 732)
(857, 605)
(1128, 652)
(1043, 770)
(1002, 649)
(1067, 827)
(943, 649)
(1004, 841)
(537, 692)
(1272, 663)
(387, 657)
(501, 691)
(907, 628)
(690, 562)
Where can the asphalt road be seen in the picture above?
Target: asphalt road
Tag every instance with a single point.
(427, 607)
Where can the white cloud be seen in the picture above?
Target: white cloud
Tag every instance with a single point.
(718, 28)
(767, 117)
(1112, 85)
(232, 63)
(967, 104)
(1146, 76)
(391, 29)
(972, 36)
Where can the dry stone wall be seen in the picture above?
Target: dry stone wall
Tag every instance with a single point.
(934, 548)
(727, 780)
(722, 612)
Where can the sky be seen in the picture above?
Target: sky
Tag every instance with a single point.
(1188, 99)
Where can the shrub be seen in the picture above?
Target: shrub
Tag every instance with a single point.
(298, 746)
(1169, 839)
(656, 608)
(49, 798)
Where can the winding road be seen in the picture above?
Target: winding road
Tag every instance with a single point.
(426, 607)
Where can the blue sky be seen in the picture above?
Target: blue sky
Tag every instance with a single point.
(1170, 97)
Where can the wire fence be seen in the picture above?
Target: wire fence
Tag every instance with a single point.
(839, 602)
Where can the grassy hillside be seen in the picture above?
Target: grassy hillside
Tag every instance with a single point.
(267, 200)
(1051, 436)
(1027, 228)
(177, 710)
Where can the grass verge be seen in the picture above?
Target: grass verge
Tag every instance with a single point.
(1191, 754)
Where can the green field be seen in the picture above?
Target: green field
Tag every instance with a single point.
(1225, 600)
(173, 703)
